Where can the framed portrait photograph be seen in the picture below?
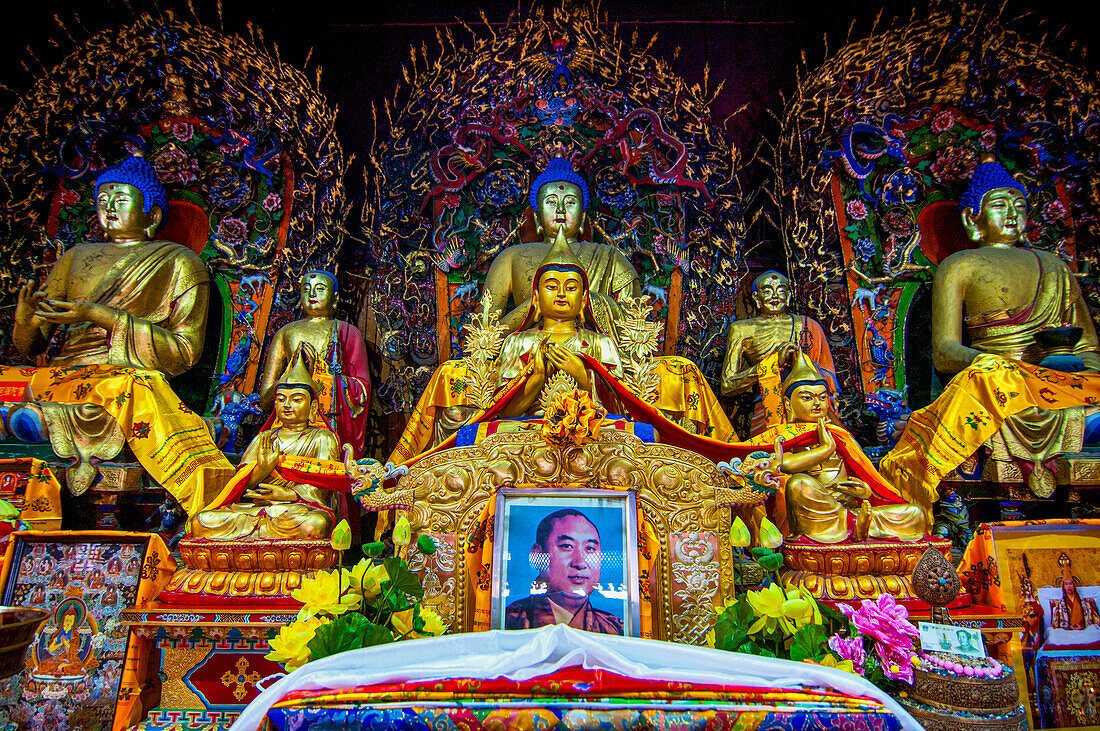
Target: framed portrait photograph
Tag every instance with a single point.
(566, 557)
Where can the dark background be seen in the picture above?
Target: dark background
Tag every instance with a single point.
(755, 47)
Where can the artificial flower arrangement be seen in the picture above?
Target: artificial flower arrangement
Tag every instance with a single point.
(874, 640)
(375, 602)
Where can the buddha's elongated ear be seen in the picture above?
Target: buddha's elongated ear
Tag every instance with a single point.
(790, 412)
(970, 224)
(154, 218)
(313, 410)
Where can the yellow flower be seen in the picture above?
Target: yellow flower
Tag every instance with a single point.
(321, 594)
(710, 637)
(739, 534)
(770, 537)
(341, 536)
(433, 623)
(402, 532)
(801, 607)
(402, 622)
(367, 578)
(831, 662)
(289, 646)
(8, 511)
(767, 605)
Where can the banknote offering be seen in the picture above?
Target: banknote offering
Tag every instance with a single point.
(949, 638)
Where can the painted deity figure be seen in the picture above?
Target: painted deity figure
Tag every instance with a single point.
(60, 656)
(773, 330)
(132, 311)
(273, 504)
(337, 357)
(559, 198)
(988, 306)
(823, 501)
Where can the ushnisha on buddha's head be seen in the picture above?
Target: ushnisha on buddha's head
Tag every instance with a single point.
(805, 392)
(130, 201)
(771, 293)
(318, 294)
(559, 197)
(994, 207)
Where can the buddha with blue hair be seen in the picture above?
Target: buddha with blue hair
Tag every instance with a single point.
(994, 308)
(128, 313)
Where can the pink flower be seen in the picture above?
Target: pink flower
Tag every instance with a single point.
(988, 139)
(943, 121)
(955, 164)
(1053, 211)
(849, 648)
(452, 200)
(232, 229)
(69, 197)
(273, 202)
(181, 130)
(887, 623)
(856, 210)
(1034, 233)
(174, 165)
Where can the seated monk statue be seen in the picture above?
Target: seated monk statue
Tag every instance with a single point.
(773, 330)
(132, 312)
(823, 501)
(273, 506)
(559, 197)
(988, 306)
(337, 354)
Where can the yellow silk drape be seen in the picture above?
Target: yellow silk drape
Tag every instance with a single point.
(170, 441)
(970, 410)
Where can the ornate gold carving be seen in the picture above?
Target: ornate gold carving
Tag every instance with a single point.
(637, 337)
(559, 384)
(678, 492)
(247, 569)
(695, 575)
(852, 571)
(437, 575)
(484, 338)
(1078, 469)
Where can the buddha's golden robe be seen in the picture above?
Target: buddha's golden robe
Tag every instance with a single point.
(117, 379)
(311, 516)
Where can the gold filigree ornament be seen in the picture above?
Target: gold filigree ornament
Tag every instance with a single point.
(484, 339)
(637, 336)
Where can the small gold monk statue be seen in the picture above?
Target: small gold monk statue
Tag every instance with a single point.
(272, 506)
(559, 198)
(773, 329)
(133, 311)
(338, 357)
(551, 335)
(823, 502)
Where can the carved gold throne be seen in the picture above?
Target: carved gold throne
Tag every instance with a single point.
(682, 499)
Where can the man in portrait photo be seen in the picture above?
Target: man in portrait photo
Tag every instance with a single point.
(567, 555)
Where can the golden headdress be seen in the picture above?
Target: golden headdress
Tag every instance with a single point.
(803, 373)
(297, 375)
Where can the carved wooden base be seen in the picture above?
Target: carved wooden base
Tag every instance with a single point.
(246, 571)
(934, 719)
(854, 571)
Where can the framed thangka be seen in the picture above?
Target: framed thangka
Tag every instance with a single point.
(73, 669)
(566, 556)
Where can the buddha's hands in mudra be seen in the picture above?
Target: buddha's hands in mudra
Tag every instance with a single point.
(34, 304)
(564, 359)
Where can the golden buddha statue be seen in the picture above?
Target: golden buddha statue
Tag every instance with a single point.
(273, 506)
(988, 306)
(338, 357)
(823, 501)
(133, 311)
(681, 392)
(774, 329)
(559, 199)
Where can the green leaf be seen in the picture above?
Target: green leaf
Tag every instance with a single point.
(809, 643)
(401, 579)
(373, 550)
(347, 632)
(761, 551)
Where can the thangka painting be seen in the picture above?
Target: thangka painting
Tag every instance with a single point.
(1051, 575)
(73, 669)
